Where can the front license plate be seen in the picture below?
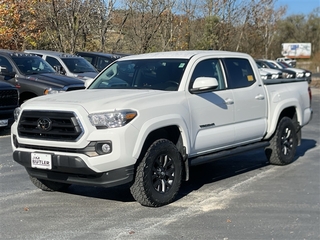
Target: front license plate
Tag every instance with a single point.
(41, 160)
(4, 123)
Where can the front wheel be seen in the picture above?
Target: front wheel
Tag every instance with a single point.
(158, 176)
(283, 144)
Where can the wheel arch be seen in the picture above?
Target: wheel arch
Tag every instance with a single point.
(172, 129)
(26, 96)
(170, 132)
(290, 112)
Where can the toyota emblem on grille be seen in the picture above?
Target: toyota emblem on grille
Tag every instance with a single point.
(44, 124)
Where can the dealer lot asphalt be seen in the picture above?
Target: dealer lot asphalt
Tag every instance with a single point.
(240, 197)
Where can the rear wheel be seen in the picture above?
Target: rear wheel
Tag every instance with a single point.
(50, 186)
(283, 144)
(158, 175)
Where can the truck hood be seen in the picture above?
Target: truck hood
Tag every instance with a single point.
(55, 79)
(97, 100)
(5, 85)
(86, 75)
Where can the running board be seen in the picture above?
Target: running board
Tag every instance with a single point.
(225, 153)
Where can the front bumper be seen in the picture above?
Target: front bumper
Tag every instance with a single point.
(73, 170)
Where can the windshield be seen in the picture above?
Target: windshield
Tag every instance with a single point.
(78, 65)
(32, 65)
(283, 64)
(271, 65)
(159, 74)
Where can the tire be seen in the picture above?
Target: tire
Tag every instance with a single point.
(283, 144)
(158, 175)
(49, 186)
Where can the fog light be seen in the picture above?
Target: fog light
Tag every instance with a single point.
(104, 147)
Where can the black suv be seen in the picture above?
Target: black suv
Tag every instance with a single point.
(98, 59)
(9, 96)
(33, 76)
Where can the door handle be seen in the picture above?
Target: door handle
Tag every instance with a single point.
(229, 101)
(259, 97)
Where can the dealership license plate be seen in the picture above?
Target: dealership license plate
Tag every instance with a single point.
(41, 160)
(4, 123)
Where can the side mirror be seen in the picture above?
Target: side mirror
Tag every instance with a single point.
(204, 84)
(3, 69)
(59, 69)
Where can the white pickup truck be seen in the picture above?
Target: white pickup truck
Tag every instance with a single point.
(147, 118)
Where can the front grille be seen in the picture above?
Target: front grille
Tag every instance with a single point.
(52, 126)
(9, 98)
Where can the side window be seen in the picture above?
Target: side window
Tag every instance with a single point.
(102, 62)
(53, 62)
(239, 72)
(5, 63)
(88, 58)
(209, 68)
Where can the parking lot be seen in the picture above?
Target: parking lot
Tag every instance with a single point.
(240, 197)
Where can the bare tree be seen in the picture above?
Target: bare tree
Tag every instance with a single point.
(66, 21)
(144, 21)
(265, 19)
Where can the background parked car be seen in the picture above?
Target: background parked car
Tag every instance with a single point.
(264, 74)
(272, 73)
(67, 64)
(307, 73)
(300, 73)
(33, 76)
(290, 61)
(9, 96)
(286, 73)
(98, 59)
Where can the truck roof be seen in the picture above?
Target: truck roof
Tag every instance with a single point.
(185, 54)
(52, 53)
(15, 53)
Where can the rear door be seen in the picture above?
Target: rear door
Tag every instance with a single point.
(250, 104)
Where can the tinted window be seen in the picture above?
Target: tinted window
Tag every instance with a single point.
(209, 68)
(78, 65)
(89, 59)
(53, 62)
(102, 62)
(32, 65)
(239, 72)
(5, 63)
(160, 74)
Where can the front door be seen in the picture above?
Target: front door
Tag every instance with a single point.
(212, 116)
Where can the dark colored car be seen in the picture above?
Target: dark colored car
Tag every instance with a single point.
(98, 59)
(33, 76)
(9, 96)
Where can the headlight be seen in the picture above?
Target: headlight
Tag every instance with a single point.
(275, 76)
(16, 113)
(308, 74)
(112, 119)
(264, 77)
(53, 91)
(300, 75)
